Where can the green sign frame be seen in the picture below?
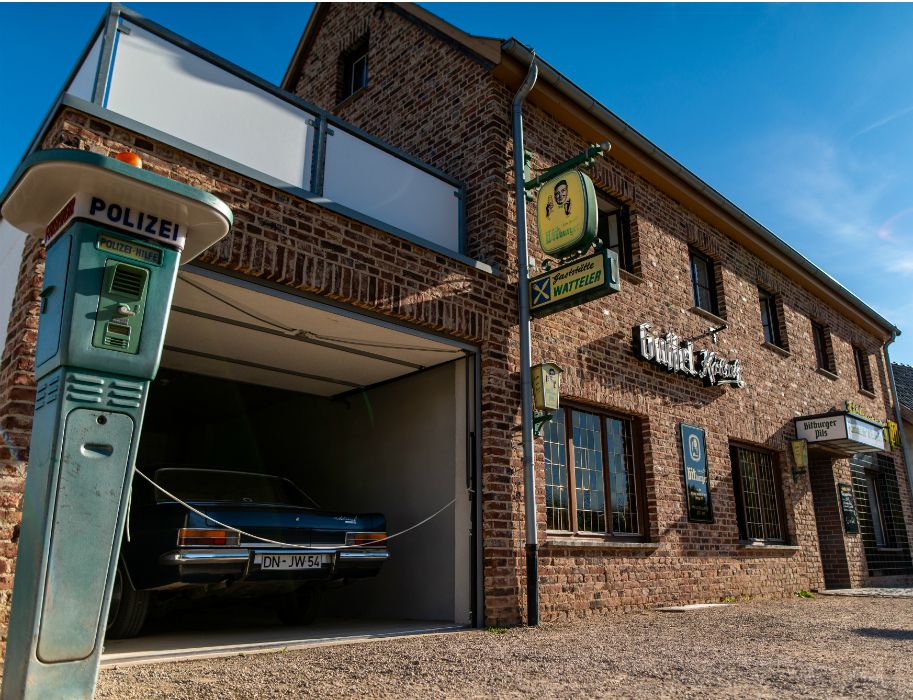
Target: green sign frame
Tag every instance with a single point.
(585, 279)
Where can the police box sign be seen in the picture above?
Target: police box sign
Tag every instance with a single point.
(677, 355)
(117, 215)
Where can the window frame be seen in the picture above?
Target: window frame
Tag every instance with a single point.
(863, 370)
(347, 62)
(821, 347)
(739, 492)
(768, 300)
(696, 255)
(622, 214)
(570, 484)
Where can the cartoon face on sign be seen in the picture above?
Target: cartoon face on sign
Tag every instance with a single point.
(694, 448)
(567, 214)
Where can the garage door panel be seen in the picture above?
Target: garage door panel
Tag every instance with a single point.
(248, 375)
(241, 305)
(233, 343)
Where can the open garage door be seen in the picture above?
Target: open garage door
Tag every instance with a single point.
(363, 415)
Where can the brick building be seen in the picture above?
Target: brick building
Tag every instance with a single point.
(615, 528)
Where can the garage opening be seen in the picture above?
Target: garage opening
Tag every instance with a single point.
(360, 414)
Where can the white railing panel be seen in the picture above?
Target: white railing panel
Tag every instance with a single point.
(368, 179)
(159, 84)
(83, 82)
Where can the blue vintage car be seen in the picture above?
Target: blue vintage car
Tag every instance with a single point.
(170, 553)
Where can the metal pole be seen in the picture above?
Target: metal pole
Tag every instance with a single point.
(526, 409)
(898, 416)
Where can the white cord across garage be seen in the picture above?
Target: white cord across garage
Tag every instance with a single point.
(266, 540)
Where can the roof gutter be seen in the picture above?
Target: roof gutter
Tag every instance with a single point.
(556, 80)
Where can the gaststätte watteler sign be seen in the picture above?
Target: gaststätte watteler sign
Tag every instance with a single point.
(585, 279)
(677, 355)
(566, 214)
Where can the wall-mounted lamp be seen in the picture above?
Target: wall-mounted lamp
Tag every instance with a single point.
(546, 380)
(800, 458)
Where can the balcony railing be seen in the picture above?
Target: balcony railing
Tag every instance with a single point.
(167, 86)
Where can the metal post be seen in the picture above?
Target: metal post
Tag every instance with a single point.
(526, 409)
(898, 416)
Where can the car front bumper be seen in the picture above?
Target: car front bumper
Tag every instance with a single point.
(192, 565)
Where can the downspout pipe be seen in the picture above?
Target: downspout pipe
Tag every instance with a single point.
(526, 408)
(898, 416)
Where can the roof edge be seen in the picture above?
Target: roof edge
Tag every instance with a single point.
(307, 36)
(566, 87)
(485, 50)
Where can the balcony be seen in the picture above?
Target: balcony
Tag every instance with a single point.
(136, 74)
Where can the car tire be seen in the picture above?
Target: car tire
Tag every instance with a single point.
(128, 610)
(300, 608)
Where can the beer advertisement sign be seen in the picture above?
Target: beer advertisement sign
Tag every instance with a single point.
(697, 478)
(567, 214)
(585, 279)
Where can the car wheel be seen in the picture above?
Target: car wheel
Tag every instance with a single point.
(300, 608)
(128, 608)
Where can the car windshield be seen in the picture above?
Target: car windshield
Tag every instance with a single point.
(211, 485)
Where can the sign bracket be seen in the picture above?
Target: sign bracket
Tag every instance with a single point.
(584, 159)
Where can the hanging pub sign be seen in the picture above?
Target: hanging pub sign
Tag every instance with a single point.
(891, 430)
(841, 432)
(677, 355)
(848, 507)
(697, 478)
(584, 279)
(567, 216)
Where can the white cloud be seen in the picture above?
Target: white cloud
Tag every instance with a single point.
(886, 120)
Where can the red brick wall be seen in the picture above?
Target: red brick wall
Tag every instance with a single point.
(282, 239)
(426, 98)
(17, 399)
(433, 101)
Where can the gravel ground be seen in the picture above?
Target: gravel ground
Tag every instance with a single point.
(826, 647)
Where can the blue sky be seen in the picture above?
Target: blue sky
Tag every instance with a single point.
(800, 114)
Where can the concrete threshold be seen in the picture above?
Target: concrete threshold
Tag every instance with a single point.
(693, 606)
(208, 644)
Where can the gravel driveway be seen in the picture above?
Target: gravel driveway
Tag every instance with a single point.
(824, 647)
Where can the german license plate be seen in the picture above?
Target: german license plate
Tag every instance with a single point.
(290, 562)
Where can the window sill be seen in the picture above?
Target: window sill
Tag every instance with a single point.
(557, 541)
(827, 373)
(630, 277)
(718, 320)
(776, 349)
(888, 550)
(867, 392)
(346, 101)
(749, 546)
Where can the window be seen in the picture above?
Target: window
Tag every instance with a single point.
(822, 352)
(874, 488)
(703, 282)
(758, 500)
(881, 521)
(597, 454)
(615, 230)
(354, 69)
(770, 319)
(863, 371)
